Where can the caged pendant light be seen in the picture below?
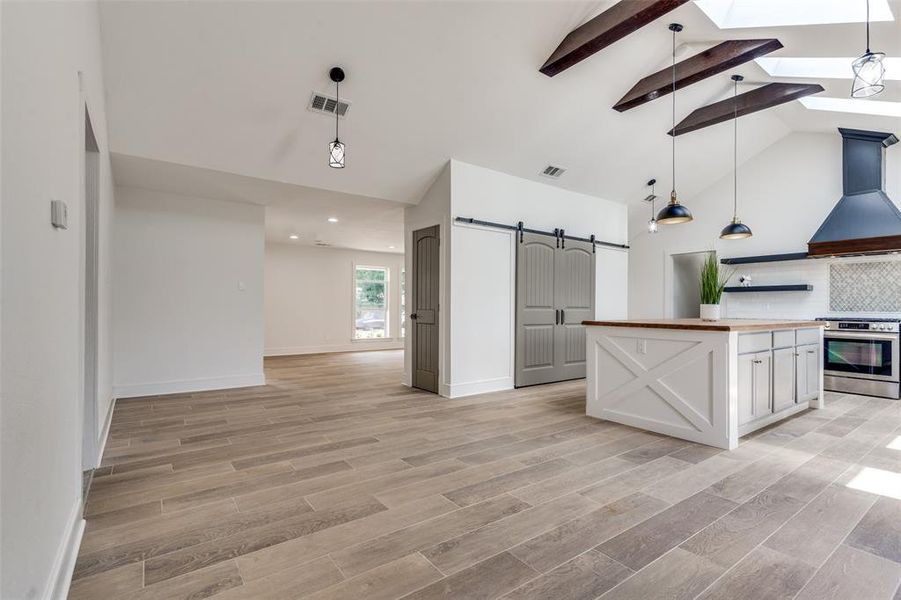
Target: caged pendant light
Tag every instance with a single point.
(336, 148)
(869, 72)
(652, 224)
(736, 230)
(674, 212)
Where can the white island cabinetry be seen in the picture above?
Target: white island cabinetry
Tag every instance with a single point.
(707, 382)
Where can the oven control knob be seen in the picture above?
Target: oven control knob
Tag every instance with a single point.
(828, 325)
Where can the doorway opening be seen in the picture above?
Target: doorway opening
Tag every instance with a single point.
(686, 284)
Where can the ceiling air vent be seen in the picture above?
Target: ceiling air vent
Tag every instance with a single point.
(553, 172)
(322, 243)
(323, 103)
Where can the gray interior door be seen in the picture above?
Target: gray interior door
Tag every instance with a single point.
(555, 285)
(424, 314)
(575, 299)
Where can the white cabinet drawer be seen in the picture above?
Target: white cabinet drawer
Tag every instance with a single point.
(754, 342)
(784, 338)
(808, 336)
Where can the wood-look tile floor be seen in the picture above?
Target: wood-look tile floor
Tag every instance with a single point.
(335, 481)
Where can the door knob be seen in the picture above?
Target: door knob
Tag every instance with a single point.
(414, 316)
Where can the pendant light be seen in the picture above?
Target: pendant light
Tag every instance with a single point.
(736, 230)
(869, 72)
(336, 148)
(652, 224)
(674, 212)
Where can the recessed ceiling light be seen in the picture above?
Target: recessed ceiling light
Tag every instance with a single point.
(821, 67)
(294, 236)
(333, 219)
(390, 247)
(879, 108)
(731, 14)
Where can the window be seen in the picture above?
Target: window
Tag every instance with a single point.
(403, 302)
(370, 303)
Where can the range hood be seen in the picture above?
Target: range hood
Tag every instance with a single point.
(865, 220)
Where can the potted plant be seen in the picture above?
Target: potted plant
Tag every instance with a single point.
(712, 284)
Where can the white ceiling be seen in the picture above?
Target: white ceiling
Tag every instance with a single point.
(364, 223)
(224, 86)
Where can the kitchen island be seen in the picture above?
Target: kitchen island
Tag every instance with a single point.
(705, 381)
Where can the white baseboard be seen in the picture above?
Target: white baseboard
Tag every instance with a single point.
(104, 435)
(64, 563)
(360, 346)
(133, 390)
(458, 390)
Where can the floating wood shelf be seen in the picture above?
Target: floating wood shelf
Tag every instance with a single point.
(800, 287)
(746, 260)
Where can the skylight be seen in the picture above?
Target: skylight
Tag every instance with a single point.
(732, 14)
(851, 105)
(821, 68)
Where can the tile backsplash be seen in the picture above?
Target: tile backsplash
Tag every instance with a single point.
(865, 287)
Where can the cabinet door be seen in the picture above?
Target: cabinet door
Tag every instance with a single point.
(813, 363)
(783, 378)
(801, 374)
(763, 385)
(745, 388)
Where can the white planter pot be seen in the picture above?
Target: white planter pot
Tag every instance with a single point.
(710, 312)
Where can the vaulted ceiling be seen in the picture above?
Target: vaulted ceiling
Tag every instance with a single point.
(225, 86)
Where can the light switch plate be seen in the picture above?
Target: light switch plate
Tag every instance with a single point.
(59, 214)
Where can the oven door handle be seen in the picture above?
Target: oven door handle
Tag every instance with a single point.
(888, 337)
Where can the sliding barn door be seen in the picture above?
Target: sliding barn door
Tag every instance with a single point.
(536, 314)
(575, 299)
(424, 316)
(554, 294)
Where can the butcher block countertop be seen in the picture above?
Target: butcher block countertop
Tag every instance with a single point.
(699, 325)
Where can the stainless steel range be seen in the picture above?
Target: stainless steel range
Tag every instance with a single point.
(861, 356)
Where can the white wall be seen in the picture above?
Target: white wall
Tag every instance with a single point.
(44, 48)
(785, 193)
(482, 266)
(308, 299)
(188, 297)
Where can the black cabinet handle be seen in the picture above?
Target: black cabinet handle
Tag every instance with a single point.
(414, 316)
(562, 317)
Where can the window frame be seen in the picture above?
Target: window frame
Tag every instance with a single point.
(353, 303)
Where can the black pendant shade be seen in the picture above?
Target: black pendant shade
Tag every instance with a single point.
(736, 230)
(674, 213)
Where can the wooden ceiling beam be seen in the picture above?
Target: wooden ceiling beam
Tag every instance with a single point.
(722, 57)
(613, 24)
(767, 96)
